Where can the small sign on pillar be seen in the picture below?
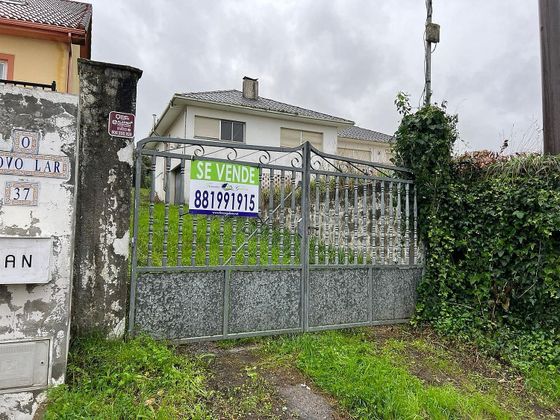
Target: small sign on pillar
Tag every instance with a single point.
(121, 124)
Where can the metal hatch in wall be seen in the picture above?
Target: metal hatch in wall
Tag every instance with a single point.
(24, 365)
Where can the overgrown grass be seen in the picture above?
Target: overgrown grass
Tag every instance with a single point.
(371, 384)
(140, 378)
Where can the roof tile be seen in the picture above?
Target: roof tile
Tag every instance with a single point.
(63, 13)
(359, 133)
(235, 97)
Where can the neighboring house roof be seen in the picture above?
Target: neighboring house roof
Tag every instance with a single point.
(59, 13)
(235, 98)
(358, 133)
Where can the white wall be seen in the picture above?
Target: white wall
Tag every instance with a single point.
(32, 311)
(259, 130)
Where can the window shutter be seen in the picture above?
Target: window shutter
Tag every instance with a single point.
(290, 138)
(206, 127)
(316, 139)
(354, 150)
(294, 138)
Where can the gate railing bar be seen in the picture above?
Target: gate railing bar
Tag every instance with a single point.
(236, 335)
(194, 158)
(194, 236)
(132, 301)
(337, 227)
(293, 218)
(356, 222)
(282, 219)
(339, 168)
(287, 267)
(374, 222)
(151, 210)
(259, 228)
(207, 253)
(221, 254)
(346, 224)
(364, 225)
(358, 176)
(181, 215)
(317, 224)
(213, 268)
(361, 162)
(166, 211)
(383, 229)
(270, 206)
(407, 225)
(390, 226)
(141, 145)
(327, 214)
(415, 239)
(397, 223)
(304, 284)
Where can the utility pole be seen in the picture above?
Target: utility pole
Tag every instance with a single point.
(549, 13)
(431, 36)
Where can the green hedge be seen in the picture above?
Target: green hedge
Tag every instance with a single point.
(491, 226)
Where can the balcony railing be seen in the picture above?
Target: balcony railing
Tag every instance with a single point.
(52, 86)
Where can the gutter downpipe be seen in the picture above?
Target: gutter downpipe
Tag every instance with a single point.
(69, 69)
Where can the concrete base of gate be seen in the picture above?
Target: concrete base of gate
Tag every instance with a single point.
(233, 303)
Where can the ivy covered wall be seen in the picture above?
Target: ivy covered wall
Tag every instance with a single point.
(491, 227)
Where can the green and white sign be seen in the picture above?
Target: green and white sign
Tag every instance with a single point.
(224, 188)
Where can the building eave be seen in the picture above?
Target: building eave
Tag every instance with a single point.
(41, 30)
(365, 141)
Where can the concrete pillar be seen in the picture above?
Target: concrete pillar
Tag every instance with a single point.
(104, 184)
(37, 197)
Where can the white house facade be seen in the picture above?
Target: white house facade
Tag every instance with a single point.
(245, 117)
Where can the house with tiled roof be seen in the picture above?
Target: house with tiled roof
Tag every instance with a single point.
(243, 116)
(41, 41)
(246, 117)
(360, 143)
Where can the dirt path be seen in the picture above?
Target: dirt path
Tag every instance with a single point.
(245, 387)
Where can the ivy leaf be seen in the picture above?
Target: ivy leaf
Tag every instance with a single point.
(519, 214)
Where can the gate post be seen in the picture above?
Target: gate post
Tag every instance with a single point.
(101, 262)
(306, 188)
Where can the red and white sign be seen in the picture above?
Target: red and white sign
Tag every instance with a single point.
(121, 124)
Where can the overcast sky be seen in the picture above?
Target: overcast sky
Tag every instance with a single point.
(348, 58)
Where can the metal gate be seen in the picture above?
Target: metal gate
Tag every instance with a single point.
(335, 245)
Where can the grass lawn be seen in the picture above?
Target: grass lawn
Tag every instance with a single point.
(368, 373)
(373, 382)
(128, 380)
(408, 375)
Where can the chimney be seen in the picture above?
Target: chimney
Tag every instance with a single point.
(250, 88)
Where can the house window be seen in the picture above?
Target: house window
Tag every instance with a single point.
(295, 138)
(231, 130)
(212, 128)
(6, 66)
